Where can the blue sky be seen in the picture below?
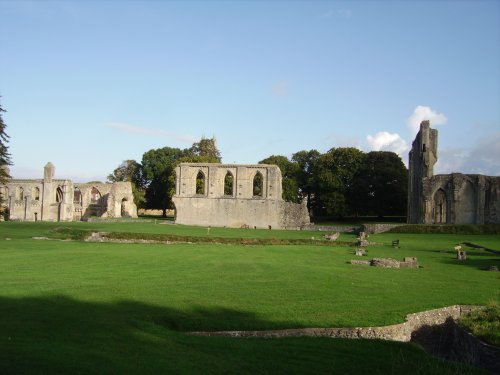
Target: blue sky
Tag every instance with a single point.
(88, 84)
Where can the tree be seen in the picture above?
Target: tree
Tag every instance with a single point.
(130, 170)
(306, 162)
(380, 185)
(289, 173)
(4, 159)
(158, 176)
(334, 173)
(126, 171)
(206, 148)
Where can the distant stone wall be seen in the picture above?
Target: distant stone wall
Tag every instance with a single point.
(229, 195)
(50, 199)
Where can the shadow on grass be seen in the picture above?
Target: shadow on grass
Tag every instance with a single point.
(59, 335)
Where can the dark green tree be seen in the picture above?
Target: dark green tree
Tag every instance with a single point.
(158, 176)
(4, 159)
(334, 173)
(306, 162)
(289, 173)
(380, 185)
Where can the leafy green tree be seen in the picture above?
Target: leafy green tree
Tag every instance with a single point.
(334, 173)
(380, 185)
(306, 162)
(289, 173)
(158, 176)
(4, 159)
(205, 148)
(130, 170)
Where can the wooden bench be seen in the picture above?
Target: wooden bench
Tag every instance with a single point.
(395, 243)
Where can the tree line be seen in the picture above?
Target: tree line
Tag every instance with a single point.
(339, 183)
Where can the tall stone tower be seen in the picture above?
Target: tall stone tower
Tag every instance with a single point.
(48, 172)
(422, 157)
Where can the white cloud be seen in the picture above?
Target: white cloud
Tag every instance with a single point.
(385, 141)
(422, 113)
(482, 158)
(151, 132)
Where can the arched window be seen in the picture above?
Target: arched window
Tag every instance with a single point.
(95, 195)
(229, 184)
(36, 193)
(440, 207)
(200, 183)
(19, 194)
(77, 196)
(59, 195)
(258, 185)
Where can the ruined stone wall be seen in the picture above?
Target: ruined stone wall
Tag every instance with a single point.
(204, 197)
(447, 199)
(50, 199)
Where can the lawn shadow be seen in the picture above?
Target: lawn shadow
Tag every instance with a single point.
(61, 335)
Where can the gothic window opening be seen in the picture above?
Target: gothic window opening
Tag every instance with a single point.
(229, 184)
(200, 183)
(77, 196)
(36, 194)
(440, 207)
(59, 195)
(258, 185)
(95, 195)
(19, 194)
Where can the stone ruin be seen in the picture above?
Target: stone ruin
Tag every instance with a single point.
(408, 262)
(447, 198)
(51, 199)
(237, 196)
(332, 237)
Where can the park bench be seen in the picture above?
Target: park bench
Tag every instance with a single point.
(395, 243)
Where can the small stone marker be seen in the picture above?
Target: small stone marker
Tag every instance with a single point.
(461, 255)
(360, 252)
(332, 237)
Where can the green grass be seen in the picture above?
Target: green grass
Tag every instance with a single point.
(77, 307)
(485, 323)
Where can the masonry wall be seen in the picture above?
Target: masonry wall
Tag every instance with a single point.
(447, 199)
(50, 199)
(214, 205)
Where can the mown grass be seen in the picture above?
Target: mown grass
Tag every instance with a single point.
(77, 307)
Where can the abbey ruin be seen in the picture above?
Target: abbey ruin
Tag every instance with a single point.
(229, 195)
(454, 198)
(50, 199)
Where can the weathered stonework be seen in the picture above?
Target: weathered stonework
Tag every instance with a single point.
(229, 195)
(50, 199)
(447, 199)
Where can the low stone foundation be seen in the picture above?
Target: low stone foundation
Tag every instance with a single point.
(435, 330)
(409, 262)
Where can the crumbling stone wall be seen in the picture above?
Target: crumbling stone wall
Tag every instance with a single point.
(50, 199)
(447, 199)
(202, 197)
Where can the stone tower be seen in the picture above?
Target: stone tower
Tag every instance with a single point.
(422, 157)
(48, 172)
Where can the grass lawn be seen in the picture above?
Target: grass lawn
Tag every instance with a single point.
(78, 307)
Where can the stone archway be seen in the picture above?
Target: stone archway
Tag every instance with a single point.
(125, 208)
(440, 207)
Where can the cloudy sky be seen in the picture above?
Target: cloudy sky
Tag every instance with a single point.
(89, 84)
